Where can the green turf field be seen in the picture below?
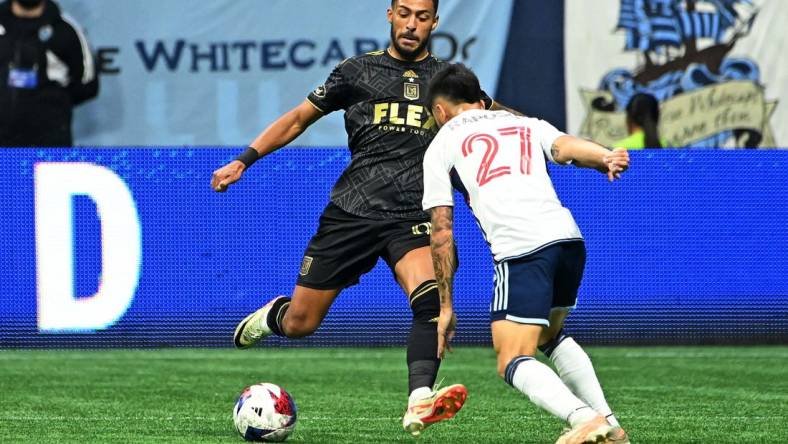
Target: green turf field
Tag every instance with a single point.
(661, 395)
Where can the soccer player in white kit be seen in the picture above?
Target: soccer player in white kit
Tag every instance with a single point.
(498, 161)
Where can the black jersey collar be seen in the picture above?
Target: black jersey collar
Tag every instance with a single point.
(407, 62)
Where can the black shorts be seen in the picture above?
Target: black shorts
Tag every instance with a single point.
(528, 288)
(347, 246)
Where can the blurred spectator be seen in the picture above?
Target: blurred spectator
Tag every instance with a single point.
(642, 124)
(46, 68)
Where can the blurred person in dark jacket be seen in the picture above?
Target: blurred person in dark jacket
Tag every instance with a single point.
(46, 68)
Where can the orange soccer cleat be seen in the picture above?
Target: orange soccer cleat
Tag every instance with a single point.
(442, 404)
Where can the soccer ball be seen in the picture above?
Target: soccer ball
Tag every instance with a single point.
(265, 413)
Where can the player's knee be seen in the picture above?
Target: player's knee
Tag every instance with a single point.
(505, 360)
(423, 338)
(298, 325)
(425, 301)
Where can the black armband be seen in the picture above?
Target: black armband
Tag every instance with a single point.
(248, 157)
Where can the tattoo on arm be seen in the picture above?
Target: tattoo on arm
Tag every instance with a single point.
(443, 253)
(555, 151)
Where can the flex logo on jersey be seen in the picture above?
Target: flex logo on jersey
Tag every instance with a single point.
(415, 116)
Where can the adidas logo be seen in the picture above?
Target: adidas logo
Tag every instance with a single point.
(410, 74)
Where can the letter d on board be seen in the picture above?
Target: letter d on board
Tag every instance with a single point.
(121, 247)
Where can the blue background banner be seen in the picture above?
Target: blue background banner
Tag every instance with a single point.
(692, 247)
(180, 72)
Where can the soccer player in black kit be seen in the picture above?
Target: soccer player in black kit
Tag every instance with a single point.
(375, 207)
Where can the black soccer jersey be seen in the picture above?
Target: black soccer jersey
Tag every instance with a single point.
(389, 128)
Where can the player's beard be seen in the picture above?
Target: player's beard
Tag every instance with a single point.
(408, 54)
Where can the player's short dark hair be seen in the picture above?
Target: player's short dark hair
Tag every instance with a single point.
(434, 2)
(455, 83)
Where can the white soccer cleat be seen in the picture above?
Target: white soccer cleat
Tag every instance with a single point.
(254, 327)
(594, 431)
(442, 404)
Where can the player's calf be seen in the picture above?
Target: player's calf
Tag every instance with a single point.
(576, 370)
(546, 390)
(297, 325)
(536, 380)
(423, 363)
(425, 406)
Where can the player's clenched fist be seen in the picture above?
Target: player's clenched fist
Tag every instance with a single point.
(227, 175)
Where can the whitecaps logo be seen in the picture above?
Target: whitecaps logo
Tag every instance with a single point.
(708, 98)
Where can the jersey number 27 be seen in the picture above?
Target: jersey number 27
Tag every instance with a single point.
(486, 170)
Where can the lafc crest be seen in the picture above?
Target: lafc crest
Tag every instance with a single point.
(306, 264)
(412, 91)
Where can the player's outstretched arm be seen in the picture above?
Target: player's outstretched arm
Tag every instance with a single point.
(587, 154)
(444, 261)
(280, 133)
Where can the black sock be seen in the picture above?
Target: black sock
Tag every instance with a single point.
(423, 362)
(274, 319)
(548, 347)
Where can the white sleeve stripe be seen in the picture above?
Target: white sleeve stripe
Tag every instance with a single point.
(88, 68)
(314, 105)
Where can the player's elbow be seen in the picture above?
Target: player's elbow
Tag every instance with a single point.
(563, 149)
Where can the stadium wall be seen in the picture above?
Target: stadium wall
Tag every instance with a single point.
(131, 248)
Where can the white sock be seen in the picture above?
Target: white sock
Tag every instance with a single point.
(575, 368)
(545, 389)
(419, 394)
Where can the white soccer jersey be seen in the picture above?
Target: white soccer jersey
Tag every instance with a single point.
(497, 158)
